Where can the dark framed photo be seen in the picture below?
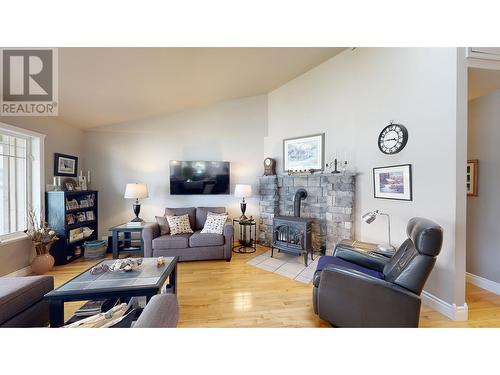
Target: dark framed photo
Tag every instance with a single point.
(65, 165)
(304, 153)
(393, 182)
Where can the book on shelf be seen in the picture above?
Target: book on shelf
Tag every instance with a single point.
(90, 308)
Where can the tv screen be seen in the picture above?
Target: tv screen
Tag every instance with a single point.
(199, 177)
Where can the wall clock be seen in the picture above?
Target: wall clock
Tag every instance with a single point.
(392, 139)
(269, 167)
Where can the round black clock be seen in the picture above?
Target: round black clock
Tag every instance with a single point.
(392, 139)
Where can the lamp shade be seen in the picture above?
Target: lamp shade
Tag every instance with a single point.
(242, 191)
(136, 191)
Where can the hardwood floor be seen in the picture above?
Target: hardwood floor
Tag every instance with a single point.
(235, 294)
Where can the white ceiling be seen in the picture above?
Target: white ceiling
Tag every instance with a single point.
(101, 86)
(482, 82)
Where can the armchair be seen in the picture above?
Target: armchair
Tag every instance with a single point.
(356, 289)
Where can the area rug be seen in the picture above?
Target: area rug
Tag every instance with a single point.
(291, 266)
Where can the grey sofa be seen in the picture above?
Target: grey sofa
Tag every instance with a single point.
(196, 246)
(356, 289)
(162, 311)
(22, 303)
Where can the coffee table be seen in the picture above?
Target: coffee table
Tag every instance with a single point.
(146, 281)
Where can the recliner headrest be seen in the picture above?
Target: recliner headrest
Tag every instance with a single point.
(427, 236)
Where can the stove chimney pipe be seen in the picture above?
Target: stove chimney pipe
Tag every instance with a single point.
(300, 195)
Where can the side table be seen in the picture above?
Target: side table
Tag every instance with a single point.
(247, 242)
(124, 241)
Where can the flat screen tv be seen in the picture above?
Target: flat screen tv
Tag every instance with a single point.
(199, 177)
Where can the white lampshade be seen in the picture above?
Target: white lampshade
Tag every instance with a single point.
(242, 191)
(136, 191)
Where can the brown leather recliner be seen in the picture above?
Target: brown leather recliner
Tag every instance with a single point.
(354, 289)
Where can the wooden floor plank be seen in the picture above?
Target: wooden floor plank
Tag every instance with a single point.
(235, 294)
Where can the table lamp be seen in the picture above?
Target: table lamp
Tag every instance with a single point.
(243, 191)
(369, 217)
(136, 191)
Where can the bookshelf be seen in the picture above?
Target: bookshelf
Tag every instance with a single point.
(70, 214)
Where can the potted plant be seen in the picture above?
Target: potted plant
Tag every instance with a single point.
(42, 237)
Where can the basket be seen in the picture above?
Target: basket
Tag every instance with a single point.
(95, 249)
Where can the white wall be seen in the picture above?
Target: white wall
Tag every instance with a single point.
(61, 138)
(483, 236)
(351, 97)
(140, 151)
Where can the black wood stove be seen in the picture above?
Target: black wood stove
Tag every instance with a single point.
(292, 234)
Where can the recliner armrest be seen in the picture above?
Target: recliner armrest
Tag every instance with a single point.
(348, 298)
(360, 257)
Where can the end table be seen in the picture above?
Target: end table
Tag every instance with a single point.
(247, 242)
(124, 241)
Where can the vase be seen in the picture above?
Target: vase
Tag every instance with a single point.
(42, 263)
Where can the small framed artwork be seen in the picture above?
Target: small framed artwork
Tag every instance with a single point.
(70, 219)
(304, 153)
(472, 168)
(65, 165)
(84, 203)
(393, 182)
(72, 204)
(90, 215)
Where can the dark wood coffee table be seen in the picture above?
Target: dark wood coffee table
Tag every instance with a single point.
(146, 281)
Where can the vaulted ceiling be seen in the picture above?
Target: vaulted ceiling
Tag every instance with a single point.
(101, 86)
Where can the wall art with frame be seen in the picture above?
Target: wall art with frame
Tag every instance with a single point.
(393, 182)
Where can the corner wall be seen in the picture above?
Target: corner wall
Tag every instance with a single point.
(140, 151)
(483, 236)
(60, 137)
(351, 97)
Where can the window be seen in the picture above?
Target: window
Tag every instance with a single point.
(20, 178)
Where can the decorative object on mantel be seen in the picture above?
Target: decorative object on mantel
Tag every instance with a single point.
(301, 171)
(369, 218)
(136, 191)
(335, 163)
(65, 165)
(393, 182)
(42, 237)
(392, 138)
(304, 153)
(472, 168)
(243, 191)
(269, 167)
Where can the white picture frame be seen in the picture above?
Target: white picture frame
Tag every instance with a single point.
(304, 153)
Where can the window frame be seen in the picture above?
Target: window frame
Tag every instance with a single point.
(35, 173)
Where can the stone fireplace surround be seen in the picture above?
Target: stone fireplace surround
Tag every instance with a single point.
(330, 203)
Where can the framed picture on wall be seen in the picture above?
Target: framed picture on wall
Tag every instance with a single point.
(304, 153)
(65, 165)
(393, 182)
(472, 167)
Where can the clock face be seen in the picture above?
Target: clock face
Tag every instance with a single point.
(392, 139)
(267, 162)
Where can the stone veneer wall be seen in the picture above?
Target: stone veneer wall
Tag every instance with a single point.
(329, 202)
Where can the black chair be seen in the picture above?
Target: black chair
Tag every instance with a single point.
(358, 289)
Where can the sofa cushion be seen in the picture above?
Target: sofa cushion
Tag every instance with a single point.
(179, 224)
(178, 241)
(199, 239)
(163, 224)
(326, 260)
(19, 293)
(201, 215)
(190, 211)
(215, 223)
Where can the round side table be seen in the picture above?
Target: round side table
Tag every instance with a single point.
(247, 243)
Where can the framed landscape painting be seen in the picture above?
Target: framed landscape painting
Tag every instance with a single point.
(393, 182)
(65, 165)
(304, 153)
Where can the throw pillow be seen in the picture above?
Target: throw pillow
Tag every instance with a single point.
(163, 224)
(179, 224)
(215, 223)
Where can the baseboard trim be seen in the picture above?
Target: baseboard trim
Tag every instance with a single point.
(490, 286)
(452, 311)
(22, 272)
